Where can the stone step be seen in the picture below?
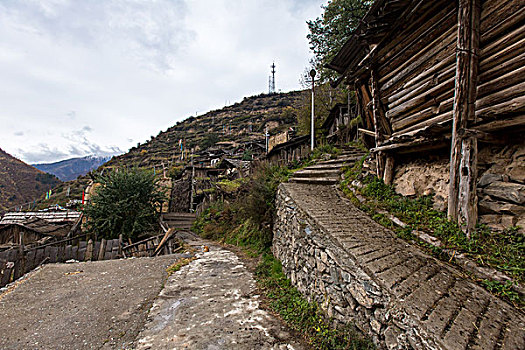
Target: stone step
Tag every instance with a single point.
(322, 166)
(179, 215)
(315, 180)
(339, 160)
(317, 173)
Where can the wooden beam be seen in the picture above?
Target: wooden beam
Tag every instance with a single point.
(462, 199)
(377, 128)
(367, 132)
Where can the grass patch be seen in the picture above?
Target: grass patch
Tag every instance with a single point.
(301, 315)
(177, 265)
(503, 251)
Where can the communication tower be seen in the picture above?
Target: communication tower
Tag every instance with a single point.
(271, 83)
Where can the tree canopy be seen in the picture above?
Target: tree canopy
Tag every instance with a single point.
(126, 203)
(331, 30)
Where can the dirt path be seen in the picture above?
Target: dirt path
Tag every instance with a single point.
(89, 305)
(212, 304)
(209, 304)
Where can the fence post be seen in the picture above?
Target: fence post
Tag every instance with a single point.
(102, 250)
(89, 250)
(120, 242)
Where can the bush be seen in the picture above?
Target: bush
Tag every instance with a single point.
(248, 220)
(126, 204)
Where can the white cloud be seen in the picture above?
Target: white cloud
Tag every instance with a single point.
(128, 69)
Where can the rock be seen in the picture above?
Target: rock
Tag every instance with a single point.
(507, 191)
(324, 257)
(508, 220)
(360, 295)
(488, 178)
(517, 173)
(489, 206)
(375, 325)
(392, 334)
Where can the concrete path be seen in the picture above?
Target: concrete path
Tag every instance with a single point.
(457, 312)
(88, 305)
(211, 304)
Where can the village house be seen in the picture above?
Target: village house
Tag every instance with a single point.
(441, 89)
(23, 228)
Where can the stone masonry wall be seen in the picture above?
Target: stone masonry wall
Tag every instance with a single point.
(501, 183)
(324, 272)
(360, 273)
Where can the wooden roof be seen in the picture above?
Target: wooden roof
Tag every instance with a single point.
(42, 227)
(50, 216)
(381, 19)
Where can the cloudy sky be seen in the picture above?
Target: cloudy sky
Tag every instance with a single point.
(83, 77)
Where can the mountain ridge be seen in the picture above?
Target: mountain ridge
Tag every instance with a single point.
(21, 183)
(70, 169)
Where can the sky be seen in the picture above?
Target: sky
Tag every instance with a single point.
(81, 77)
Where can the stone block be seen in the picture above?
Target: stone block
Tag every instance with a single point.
(507, 191)
(359, 293)
(488, 178)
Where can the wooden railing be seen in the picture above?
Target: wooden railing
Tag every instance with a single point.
(19, 260)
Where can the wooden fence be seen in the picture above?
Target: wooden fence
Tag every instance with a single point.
(17, 261)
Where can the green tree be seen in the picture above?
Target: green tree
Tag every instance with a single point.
(331, 30)
(325, 98)
(126, 203)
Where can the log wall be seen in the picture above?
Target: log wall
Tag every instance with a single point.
(443, 74)
(501, 85)
(416, 70)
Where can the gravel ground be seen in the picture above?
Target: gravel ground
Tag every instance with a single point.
(88, 305)
(212, 304)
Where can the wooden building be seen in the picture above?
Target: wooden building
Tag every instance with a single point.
(435, 75)
(30, 227)
(295, 149)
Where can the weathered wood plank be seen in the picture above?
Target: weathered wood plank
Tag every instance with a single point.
(507, 63)
(462, 201)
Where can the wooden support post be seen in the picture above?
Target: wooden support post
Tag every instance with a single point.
(120, 243)
(389, 170)
(380, 158)
(462, 199)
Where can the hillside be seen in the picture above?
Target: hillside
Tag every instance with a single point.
(21, 183)
(70, 169)
(240, 123)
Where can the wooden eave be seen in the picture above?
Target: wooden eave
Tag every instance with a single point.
(374, 27)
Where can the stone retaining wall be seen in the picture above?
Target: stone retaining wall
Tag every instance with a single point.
(324, 272)
(360, 273)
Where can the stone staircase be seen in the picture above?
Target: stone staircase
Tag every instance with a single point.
(327, 172)
(179, 221)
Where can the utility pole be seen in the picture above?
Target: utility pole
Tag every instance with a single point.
(266, 135)
(312, 131)
(192, 183)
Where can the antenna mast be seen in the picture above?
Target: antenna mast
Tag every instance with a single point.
(271, 84)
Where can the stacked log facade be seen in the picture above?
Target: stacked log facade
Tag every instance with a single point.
(439, 75)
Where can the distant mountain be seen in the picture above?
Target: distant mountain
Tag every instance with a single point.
(20, 182)
(70, 169)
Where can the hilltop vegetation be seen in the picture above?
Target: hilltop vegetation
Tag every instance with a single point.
(242, 122)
